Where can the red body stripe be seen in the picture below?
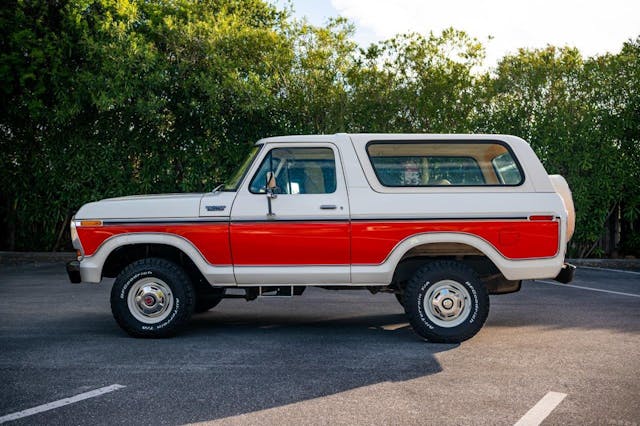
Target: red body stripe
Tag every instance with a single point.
(212, 239)
(290, 243)
(372, 242)
(333, 243)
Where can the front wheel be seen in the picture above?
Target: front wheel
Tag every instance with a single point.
(152, 298)
(446, 302)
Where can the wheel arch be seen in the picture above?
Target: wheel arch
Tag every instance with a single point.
(119, 251)
(414, 251)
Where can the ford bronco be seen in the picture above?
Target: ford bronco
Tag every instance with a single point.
(441, 221)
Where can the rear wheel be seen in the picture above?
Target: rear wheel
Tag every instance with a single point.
(152, 298)
(446, 302)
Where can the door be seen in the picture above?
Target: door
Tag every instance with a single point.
(305, 239)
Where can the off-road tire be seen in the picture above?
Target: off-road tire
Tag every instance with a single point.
(438, 275)
(172, 278)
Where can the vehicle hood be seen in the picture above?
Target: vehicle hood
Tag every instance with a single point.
(158, 206)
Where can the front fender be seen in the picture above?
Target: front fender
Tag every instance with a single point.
(91, 266)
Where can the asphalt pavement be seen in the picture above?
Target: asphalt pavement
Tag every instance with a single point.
(326, 357)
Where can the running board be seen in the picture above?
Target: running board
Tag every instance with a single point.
(280, 291)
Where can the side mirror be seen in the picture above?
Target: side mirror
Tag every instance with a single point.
(271, 181)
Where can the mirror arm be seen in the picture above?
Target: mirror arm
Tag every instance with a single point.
(269, 188)
(270, 196)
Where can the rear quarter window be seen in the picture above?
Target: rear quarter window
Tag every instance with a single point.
(506, 169)
(444, 163)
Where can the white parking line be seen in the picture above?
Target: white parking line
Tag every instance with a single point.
(59, 403)
(589, 288)
(541, 410)
(610, 270)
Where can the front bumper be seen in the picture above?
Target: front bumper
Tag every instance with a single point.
(73, 270)
(566, 273)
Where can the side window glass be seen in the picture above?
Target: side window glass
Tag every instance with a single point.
(440, 163)
(506, 169)
(428, 171)
(297, 171)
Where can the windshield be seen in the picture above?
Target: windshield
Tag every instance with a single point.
(233, 183)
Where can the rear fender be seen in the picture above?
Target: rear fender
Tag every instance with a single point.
(511, 269)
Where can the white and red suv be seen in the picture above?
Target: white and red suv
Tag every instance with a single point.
(441, 221)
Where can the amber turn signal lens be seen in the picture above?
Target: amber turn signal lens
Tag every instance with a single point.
(90, 223)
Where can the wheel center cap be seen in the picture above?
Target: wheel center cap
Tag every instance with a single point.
(149, 300)
(447, 303)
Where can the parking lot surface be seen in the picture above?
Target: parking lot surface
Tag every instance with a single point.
(327, 357)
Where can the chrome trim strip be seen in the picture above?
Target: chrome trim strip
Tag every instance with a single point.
(425, 219)
(189, 221)
(225, 219)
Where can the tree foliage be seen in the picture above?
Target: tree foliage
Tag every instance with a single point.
(113, 97)
(578, 116)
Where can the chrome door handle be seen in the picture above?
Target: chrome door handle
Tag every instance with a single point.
(328, 207)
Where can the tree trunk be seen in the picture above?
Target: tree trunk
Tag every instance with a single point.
(606, 221)
(65, 224)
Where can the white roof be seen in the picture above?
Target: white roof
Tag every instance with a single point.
(382, 136)
(299, 138)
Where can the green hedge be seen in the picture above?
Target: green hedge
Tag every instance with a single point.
(114, 97)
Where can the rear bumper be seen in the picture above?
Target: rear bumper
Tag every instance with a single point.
(73, 270)
(566, 273)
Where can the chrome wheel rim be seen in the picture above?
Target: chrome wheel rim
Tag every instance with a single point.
(447, 303)
(150, 300)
